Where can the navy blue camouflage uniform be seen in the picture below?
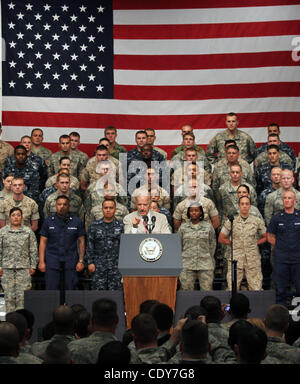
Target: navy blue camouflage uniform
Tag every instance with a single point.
(103, 244)
(263, 175)
(282, 147)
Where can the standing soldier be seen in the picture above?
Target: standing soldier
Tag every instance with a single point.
(6, 150)
(115, 149)
(215, 149)
(198, 247)
(37, 148)
(18, 260)
(6, 191)
(248, 232)
(62, 238)
(103, 243)
(75, 141)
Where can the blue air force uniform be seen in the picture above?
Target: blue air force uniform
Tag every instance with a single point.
(286, 228)
(62, 235)
(102, 250)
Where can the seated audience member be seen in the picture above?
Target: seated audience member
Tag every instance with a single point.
(6, 191)
(114, 353)
(186, 128)
(214, 314)
(36, 145)
(82, 325)
(251, 348)
(104, 322)
(115, 149)
(64, 322)
(239, 309)
(57, 352)
(277, 322)
(20, 323)
(164, 316)
(154, 206)
(64, 164)
(9, 343)
(30, 319)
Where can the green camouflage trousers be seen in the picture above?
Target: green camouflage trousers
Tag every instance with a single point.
(14, 283)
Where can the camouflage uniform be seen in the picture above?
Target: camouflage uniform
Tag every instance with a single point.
(6, 150)
(218, 332)
(180, 174)
(29, 173)
(208, 206)
(261, 200)
(283, 147)
(274, 203)
(74, 182)
(181, 149)
(216, 150)
(153, 355)
(181, 193)
(38, 348)
(103, 244)
(164, 199)
(282, 351)
(76, 206)
(221, 174)
(86, 350)
(83, 157)
(246, 233)
(117, 150)
(283, 158)
(28, 206)
(28, 358)
(263, 175)
(198, 248)
(95, 195)
(4, 195)
(227, 199)
(178, 160)
(8, 360)
(161, 151)
(43, 152)
(89, 173)
(76, 164)
(18, 254)
(97, 214)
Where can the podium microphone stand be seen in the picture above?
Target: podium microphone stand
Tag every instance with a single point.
(233, 262)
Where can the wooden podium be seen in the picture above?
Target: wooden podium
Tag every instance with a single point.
(150, 265)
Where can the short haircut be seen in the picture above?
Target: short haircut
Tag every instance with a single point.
(110, 200)
(273, 146)
(75, 134)
(235, 330)
(274, 125)
(101, 147)
(252, 344)
(37, 129)
(114, 353)
(232, 146)
(273, 135)
(29, 316)
(231, 114)
(150, 129)
(20, 146)
(277, 317)
(9, 339)
(163, 315)
(230, 141)
(194, 312)
(82, 324)
(62, 175)
(110, 128)
(236, 165)
(63, 197)
(244, 186)
(64, 158)
(194, 337)
(245, 197)
(144, 328)
(104, 312)
(64, 137)
(239, 305)
(63, 319)
(25, 137)
(103, 138)
(8, 175)
(146, 306)
(138, 132)
(189, 134)
(212, 307)
(192, 149)
(14, 209)
(19, 321)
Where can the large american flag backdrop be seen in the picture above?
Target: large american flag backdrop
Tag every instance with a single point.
(84, 65)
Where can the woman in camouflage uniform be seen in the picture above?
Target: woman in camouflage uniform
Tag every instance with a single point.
(18, 259)
(198, 241)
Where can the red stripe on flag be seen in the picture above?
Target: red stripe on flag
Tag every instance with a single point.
(173, 4)
(206, 31)
(137, 122)
(205, 92)
(215, 61)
